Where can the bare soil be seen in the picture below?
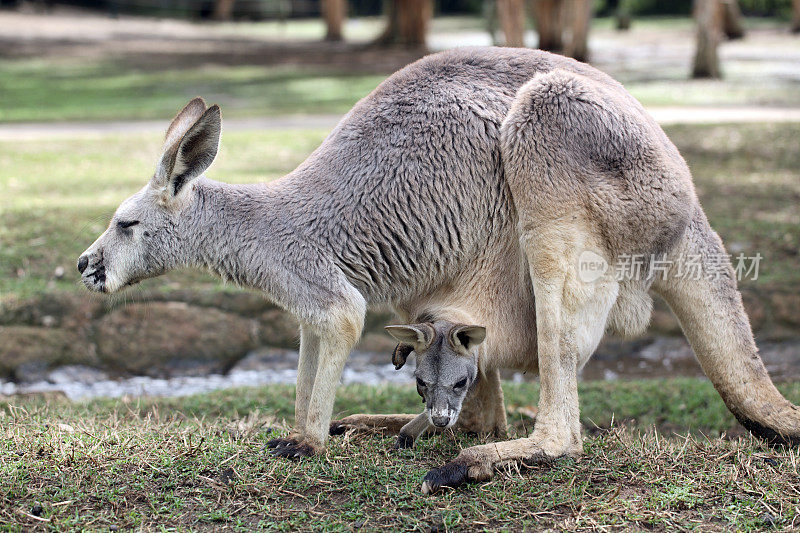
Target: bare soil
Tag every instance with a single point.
(146, 43)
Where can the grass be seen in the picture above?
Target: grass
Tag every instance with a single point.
(59, 90)
(76, 89)
(101, 86)
(56, 196)
(196, 463)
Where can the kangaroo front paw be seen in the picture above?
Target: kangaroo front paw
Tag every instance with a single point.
(295, 450)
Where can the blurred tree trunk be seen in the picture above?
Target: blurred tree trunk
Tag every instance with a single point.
(334, 12)
(549, 20)
(795, 16)
(622, 15)
(406, 23)
(579, 15)
(512, 19)
(731, 17)
(489, 14)
(706, 61)
(223, 9)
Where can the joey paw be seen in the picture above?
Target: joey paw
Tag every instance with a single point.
(400, 354)
(404, 442)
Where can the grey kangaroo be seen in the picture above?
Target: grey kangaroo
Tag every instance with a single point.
(472, 179)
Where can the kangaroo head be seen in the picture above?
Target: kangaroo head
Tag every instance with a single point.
(447, 364)
(147, 234)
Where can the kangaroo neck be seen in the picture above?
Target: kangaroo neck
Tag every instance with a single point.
(237, 231)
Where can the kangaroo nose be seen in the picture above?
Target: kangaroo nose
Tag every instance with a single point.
(83, 262)
(440, 421)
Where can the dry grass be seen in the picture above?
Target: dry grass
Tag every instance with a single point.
(197, 463)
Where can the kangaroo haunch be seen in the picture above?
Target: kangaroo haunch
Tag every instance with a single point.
(474, 180)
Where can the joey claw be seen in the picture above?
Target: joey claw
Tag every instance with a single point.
(400, 354)
(404, 442)
(451, 475)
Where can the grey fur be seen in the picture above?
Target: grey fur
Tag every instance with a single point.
(466, 181)
(447, 365)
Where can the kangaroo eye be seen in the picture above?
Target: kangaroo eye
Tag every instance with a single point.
(420, 383)
(126, 223)
(461, 384)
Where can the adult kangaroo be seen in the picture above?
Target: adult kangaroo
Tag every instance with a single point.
(471, 179)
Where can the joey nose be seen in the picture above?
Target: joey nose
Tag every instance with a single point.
(440, 421)
(83, 262)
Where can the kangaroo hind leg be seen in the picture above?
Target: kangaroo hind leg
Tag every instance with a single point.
(570, 319)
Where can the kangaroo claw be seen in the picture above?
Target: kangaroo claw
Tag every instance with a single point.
(280, 442)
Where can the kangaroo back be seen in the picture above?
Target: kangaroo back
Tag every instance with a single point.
(709, 308)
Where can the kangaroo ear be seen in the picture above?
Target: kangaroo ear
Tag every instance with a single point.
(420, 336)
(193, 152)
(467, 336)
(183, 121)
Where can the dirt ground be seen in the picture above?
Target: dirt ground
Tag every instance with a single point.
(166, 43)
(651, 51)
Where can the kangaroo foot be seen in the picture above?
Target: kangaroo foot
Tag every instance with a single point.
(338, 427)
(451, 475)
(293, 449)
(477, 463)
(281, 442)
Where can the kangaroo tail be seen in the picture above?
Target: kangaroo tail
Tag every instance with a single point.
(709, 308)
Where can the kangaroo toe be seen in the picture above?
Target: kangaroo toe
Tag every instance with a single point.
(337, 428)
(452, 475)
(280, 442)
(294, 451)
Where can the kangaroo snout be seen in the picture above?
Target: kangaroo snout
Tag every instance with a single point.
(93, 271)
(440, 421)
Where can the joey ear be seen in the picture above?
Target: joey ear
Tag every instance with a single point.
(420, 336)
(192, 154)
(467, 336)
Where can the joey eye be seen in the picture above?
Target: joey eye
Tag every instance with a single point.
(461, 384)
(126, 223)
(420, 383)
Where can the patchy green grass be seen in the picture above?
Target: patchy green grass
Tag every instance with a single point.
(57, 195)
(76, 89)
(748, 180)
(101, 86)
(196, 463)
